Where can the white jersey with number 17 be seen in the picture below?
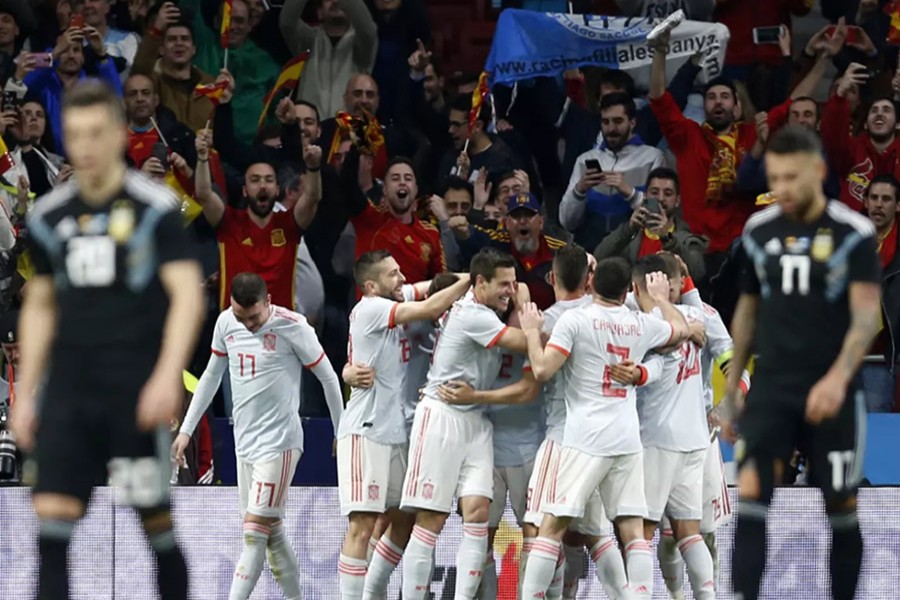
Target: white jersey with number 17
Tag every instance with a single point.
(377, 341)
(265, 368)
(601, 416)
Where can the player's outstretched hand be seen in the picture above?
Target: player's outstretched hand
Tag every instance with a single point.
(160, 398)
(530, 317)
(359, 375)
(626, 372)
(23, 423)
(825, 399)
(658, 286)
(456, 392)
(178, 447)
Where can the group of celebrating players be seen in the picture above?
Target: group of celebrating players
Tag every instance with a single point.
(596, 412)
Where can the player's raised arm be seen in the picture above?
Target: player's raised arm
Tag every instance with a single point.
(434, 306)
(213, 206)
(545, 362)
(38, 328)
(657, 285)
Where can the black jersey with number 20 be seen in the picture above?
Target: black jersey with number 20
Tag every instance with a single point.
(105, 261)
(802, 272)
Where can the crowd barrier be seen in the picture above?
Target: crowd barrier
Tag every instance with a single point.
(112, 562)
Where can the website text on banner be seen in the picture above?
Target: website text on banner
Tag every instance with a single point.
(530, 44)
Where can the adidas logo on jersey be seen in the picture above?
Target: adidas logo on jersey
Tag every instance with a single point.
(247, 242)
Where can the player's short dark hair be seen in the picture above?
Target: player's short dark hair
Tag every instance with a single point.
(612, 277)
(310, 105)
(793, 139)
(364, 269)
(809, 99)
(618, 79)
(248, 288)
(442, 281)
(93, 92)
(673, 268)
(665, 173)
(652, 263)
(619, 99)
(400, 160)
(888, 179)
(455, 182)
(570, 267)
(487, 261)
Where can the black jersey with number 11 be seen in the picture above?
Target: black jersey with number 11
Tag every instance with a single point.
(105, 262)
(802, 272)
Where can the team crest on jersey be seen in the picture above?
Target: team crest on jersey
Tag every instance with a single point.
(278, 238)
(373, 492)
(229, 339)
(428, 491)
(121, 221)
(425, 251)
(822, 245)
(269, 340)
(773, 246)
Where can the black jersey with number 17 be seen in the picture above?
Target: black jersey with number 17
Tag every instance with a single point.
(802, 272)
(105, 261)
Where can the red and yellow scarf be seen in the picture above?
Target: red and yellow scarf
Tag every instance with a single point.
(723, 167)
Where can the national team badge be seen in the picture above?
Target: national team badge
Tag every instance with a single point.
(121, 221)
(425, 251)
(373, 492)
(427, 491)
(278, 238)
(773, 246)
(269, 342)
(822, 245)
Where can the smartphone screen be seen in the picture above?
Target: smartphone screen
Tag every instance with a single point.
(593, 164)
(853, 33)
(652, 205)
(77, 21)
(42, 59)
(766, 35)
(160, 152)
(10, 101)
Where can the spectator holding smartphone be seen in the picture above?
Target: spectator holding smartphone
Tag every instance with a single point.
(655, 226)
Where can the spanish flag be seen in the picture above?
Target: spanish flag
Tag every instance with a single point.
(226, 23)
(213, 91)
(6, 159)
(287, 80)
(892, 9)
(478, 94)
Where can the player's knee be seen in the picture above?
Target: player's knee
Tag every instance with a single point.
(748, 482)
(361, 526)
(630, 528)
(156, 520)
(574, 538)
(58, 507)
(684, 529)
(650, 529)
(553, 526)
(475, 509)
(431, 520)
(529, 530)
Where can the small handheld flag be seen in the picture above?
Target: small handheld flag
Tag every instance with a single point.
(287, 80)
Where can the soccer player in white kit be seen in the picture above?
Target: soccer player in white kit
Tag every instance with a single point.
(601, 441)
(264, 348)
(450, 451)
(372, 438)
(675, 436)
(716, 503)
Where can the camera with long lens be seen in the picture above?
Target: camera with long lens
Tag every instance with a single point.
(9, 454)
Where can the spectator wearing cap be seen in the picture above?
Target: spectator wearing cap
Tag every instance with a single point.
(49, 84)
(597, 202)
(119, 44)
(709, 155)
(344, 43)
(9, 342)
(522, 236)
(879, 380)
(166, 56)
(652, 231)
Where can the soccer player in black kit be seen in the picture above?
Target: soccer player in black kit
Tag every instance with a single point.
(810, 304)
(109, 322)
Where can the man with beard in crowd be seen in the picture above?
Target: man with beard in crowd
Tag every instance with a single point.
(257, 239)
(393, 225)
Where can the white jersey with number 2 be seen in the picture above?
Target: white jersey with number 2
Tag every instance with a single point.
(601, 415)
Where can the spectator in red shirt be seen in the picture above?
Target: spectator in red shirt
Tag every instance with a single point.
(393, 225)
(257, 239)
(709, 155)
(858, 159)
(879, 380)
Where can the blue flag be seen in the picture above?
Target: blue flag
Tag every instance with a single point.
(531, 44)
